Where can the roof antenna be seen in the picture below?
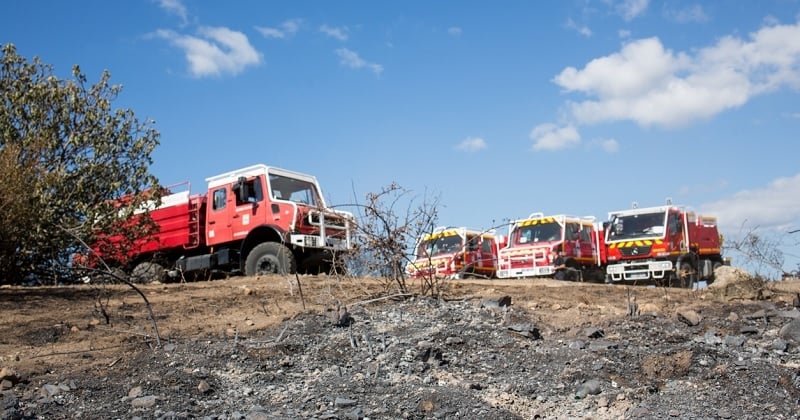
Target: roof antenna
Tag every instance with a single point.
(669, 201)
(635, 205)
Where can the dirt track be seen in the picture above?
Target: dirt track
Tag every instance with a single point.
(247, 347)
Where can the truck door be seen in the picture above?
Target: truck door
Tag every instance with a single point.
(249, 210)
(587, 246)
(675, 232)
(488, 254)
(218, 216)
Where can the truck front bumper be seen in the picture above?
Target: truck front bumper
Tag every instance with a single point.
(638, 270)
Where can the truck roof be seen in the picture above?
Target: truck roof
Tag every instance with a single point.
(259, 169)
(645, 210)
(443, 231)
(561, 218)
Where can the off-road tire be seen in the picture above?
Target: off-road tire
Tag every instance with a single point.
(270, 258)
(685, 276)
(147, 272)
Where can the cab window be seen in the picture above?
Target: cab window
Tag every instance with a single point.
(219, 199)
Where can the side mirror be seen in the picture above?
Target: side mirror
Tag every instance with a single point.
(240, 187)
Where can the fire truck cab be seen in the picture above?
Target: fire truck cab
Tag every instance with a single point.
(455, 253)
(532, 244)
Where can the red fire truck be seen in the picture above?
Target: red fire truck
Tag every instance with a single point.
(455, 253)
(668, 245)
(253, 220)
(532, 242)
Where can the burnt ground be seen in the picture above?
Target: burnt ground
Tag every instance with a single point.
(246, 348)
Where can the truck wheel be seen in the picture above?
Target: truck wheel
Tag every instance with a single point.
(686, 275)
(270, 258)
(147, 272)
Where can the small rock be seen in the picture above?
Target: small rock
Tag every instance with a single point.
(496, 302)
(144, 402)
(8, 403)
(759, 314)
(711, 338)
(602, 345)
(425, 344)
(688, 316)
(792, 313)
(135, 392)
(356, 414)
(9, 374)
(749, 329)
(203, 387)
(594, 332)
(733, 317)
(344, 402)
(169, 347)
(5, 385)
(734, 340)
(791, 331)
(674, 413)
(779, 345)
(454, 340)
(49, 390)
(577, 344)
(345, 319)
(590, 387)
(602, 402)
(724, 414)
(526, 330)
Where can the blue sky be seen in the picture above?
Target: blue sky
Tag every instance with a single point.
(499, 108)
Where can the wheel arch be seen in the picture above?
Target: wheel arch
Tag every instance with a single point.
(259, 235)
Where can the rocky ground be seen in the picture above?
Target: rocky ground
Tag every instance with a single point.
(246, 348)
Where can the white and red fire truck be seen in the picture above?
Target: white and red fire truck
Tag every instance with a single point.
(254, 220)
(455, 253)
(532, 244)
(668, 245)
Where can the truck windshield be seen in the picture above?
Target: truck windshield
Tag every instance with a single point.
(439, 245)
(540, 232)
(637, 226)
(291, 189)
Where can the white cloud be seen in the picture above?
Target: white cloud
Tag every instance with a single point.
(216, 51)
(608, 145)
(773, 207)
(690, 14)
(472, 144)
(351, 59)
(175, 7)
(583, 30)
(454, 31)
(286, 29)
(630, 9)
(550, 137)
(650, 85)
(338, 33)
(624, 33)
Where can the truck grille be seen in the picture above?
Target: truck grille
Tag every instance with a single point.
(635, 251)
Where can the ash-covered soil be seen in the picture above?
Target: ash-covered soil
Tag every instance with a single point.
(246, 348)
